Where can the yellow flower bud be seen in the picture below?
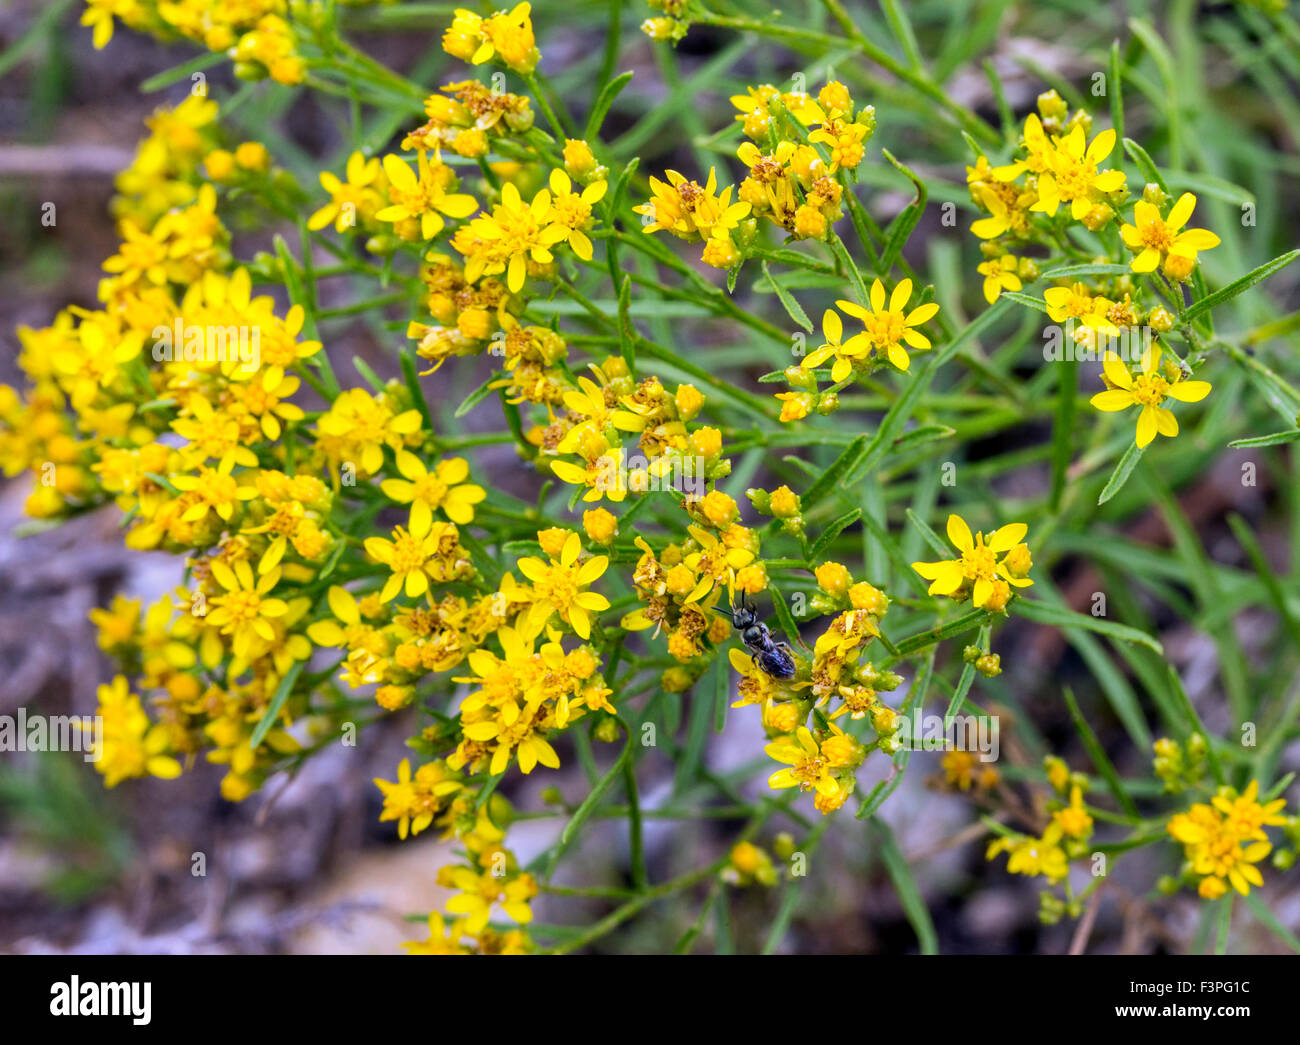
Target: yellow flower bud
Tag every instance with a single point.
(752, 579)
(578, 157)
(864, 596)
(784, 503)
(833, 578)
(219, 164)
(552, 540)
(689, 400)
(601, 526)
(1018, 561)
(252, 156)
(782, 718)
(719, 508)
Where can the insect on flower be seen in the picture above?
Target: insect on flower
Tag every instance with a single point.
(774, 658)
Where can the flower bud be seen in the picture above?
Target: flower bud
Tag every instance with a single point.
(1160, 319)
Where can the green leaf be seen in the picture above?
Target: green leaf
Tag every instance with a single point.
(627, 334)
(838, 469)
(833, 530)
(1116, 90)
(1239, 285)
(900, 874)
(937, 544)
(1098, 755)
(1063, 430)
(1058, 617)
(412, 379)
(1072, 271)
(598, 111)
(785, 618)
(1026, 299)
(903, 225)
(1269, 920)
(184, 71)
(1121, 473)
(923, 434)
(589, 804)
(293, 284)
(1143, 163)
(277, 703)
(792, 307)
(901, 27)
(1266, 440)
(475, 397)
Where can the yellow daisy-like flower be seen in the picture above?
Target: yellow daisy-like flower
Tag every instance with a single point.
(845, 352)
(1148, 390)
(423, 195)
(246, 611)
(689, 210)
(1037, 145)
(216, 489)
(887, 328)
(999, 275)
(808, 767)
(479, 892)
(715, 563)
(1072, 176)
(591, 404)
(516, 232)
(444, 938)
(426, 491)
(1075, 302)
(1034, 856)
(130, 746)
(414, 801)
(406, 555)
(1224, 841)
(1157, 239)
(558, 584)
(571, 211)
(351, 199)
(984, 566)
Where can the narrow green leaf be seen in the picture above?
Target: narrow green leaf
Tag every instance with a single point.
(792, 307)
(900, 874)
(785, 619)
(1121, 473)
(475, 397)
(1098, 755)
(1275, 439)
(937, 544)
(1059, 617)
(1026, 299)
(1237, 286)
(833, 530)
(1067, 392)
(277, 703)
(1143, 163)
(838, 469)
(589, 804)
(903, 225)
(1269, 920)
(598, 111)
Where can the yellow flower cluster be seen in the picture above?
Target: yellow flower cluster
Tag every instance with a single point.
(1059, 166)
(988, 568)
(257, 33)
(793, 184)
(1224, 839)
(1065, 837)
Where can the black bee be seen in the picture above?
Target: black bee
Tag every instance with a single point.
(774, 658)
